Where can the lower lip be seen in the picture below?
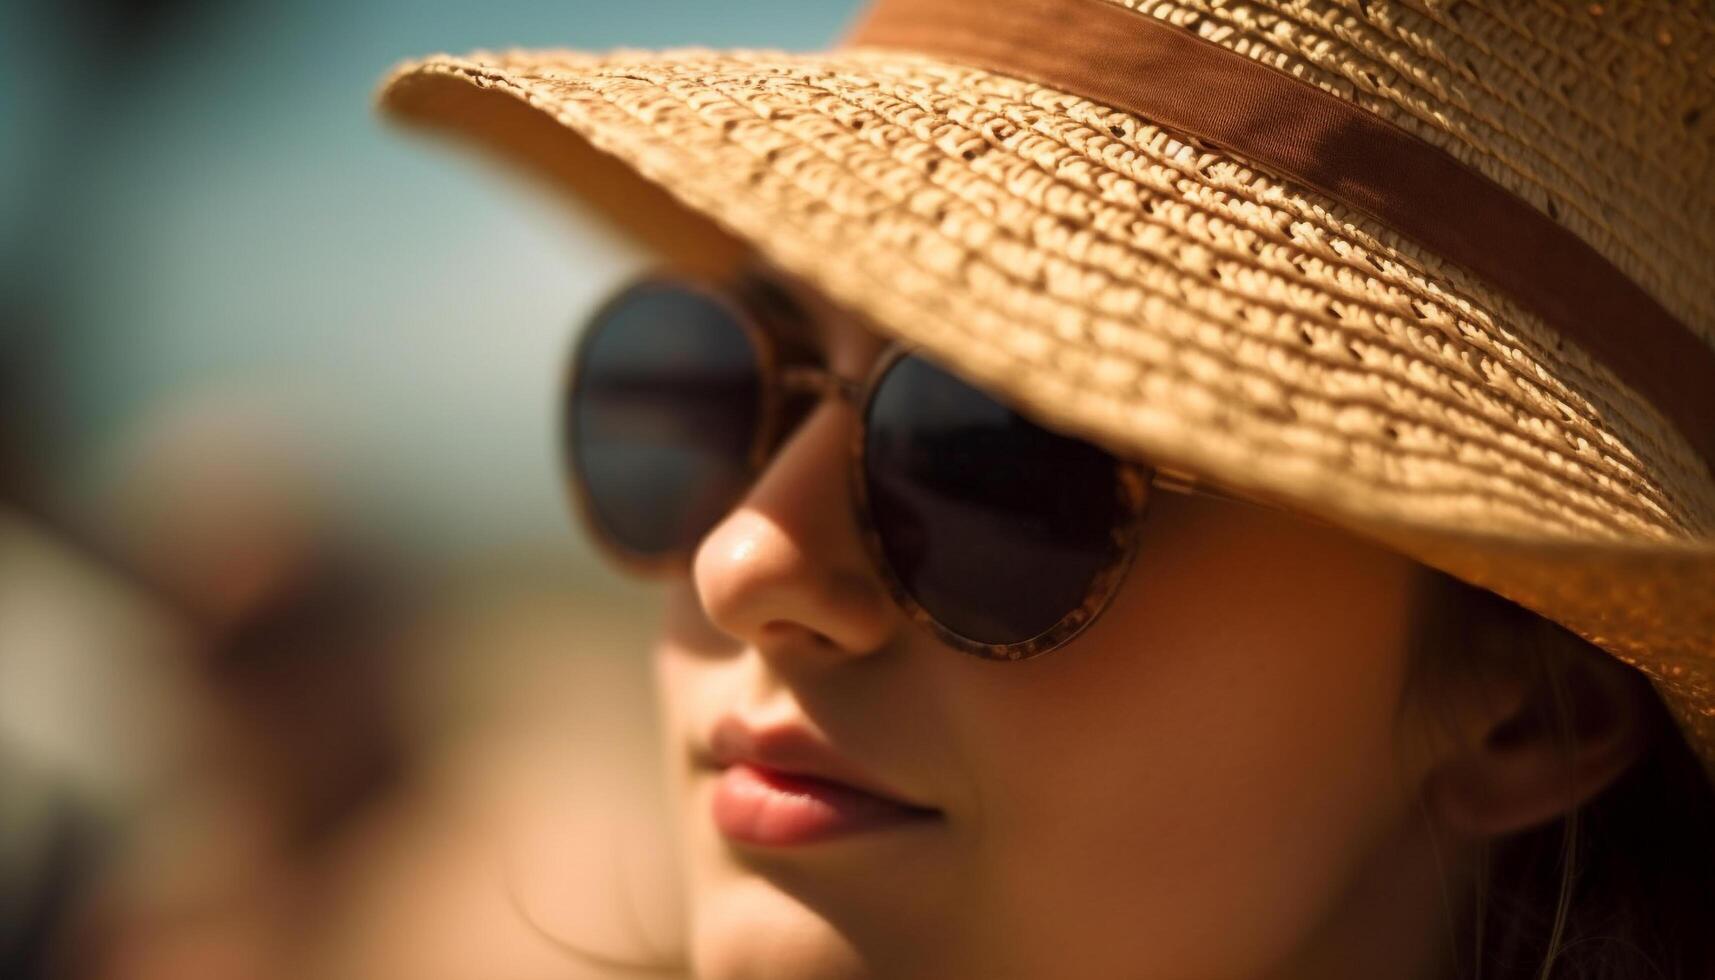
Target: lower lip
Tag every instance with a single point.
(760, 806)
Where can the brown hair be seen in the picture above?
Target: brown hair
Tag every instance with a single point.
(1620, 887)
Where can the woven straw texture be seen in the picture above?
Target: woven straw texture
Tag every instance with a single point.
(1172, 301)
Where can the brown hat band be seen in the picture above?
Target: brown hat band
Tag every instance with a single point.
(1108, 53)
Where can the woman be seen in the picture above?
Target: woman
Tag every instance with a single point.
(1101, 626)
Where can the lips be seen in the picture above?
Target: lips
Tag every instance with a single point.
(783, 785)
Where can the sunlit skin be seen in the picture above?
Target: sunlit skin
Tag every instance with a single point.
(1219, 780)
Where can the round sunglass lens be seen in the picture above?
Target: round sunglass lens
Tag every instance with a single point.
(994, 525)
(662, 413)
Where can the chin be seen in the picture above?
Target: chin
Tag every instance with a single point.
(748, 929)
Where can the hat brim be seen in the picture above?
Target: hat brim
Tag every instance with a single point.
(1162, 298)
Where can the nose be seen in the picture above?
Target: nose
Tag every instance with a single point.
(786, 570)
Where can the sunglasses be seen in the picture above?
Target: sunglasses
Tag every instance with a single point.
(1004, 538)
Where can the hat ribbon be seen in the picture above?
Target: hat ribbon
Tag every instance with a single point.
(1108, 53)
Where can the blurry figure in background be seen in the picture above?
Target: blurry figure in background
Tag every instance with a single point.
(300, 613)
(294, 661)
(278, 661)
(318, 771)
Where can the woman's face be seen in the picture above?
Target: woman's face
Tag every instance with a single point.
(1208, 782)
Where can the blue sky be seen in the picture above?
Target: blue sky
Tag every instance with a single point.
(223, 216)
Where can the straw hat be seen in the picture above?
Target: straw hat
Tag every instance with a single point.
(1440, 271)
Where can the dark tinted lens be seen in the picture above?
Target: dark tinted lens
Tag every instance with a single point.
(664, 405)
(994, 524)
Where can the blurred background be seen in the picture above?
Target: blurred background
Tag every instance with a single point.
(304, 668)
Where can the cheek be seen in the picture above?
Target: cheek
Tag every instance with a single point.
(1191, 762)
(691, 666)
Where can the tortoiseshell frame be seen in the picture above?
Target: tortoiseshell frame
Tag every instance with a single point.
(1131, 491)
(786, 370)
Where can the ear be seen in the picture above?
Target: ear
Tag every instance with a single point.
(1521, 770)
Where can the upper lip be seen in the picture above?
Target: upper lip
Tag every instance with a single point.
(791, 748)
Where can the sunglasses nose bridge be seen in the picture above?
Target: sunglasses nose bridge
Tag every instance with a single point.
(808, 379)
(784, 565)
